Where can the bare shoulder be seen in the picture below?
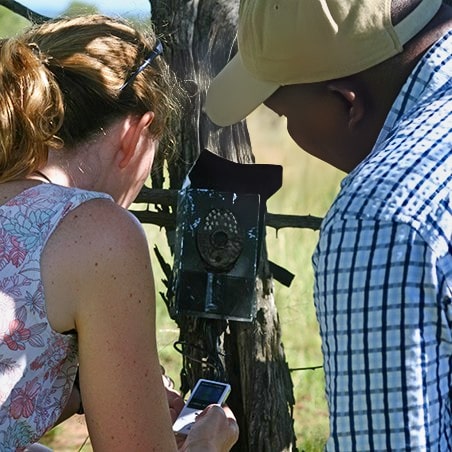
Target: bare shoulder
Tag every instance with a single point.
(96, 228)
(99, 281)
(98, 222)
(97, 252)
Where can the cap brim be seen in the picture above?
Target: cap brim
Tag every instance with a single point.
(234, 93)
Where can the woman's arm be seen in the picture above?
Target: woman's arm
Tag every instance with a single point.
(98, 262)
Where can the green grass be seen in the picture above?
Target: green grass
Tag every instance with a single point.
(10, 23)
(309, 186)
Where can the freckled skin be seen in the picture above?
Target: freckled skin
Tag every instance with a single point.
(120, 377)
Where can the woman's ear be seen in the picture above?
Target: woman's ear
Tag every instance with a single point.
(353, 100)
(134, 127)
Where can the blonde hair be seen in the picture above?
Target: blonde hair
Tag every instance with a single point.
(61, 83)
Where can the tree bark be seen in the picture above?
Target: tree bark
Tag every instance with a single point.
(199, 40)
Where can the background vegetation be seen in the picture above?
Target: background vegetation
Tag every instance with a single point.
(10, 23)
(309, 187)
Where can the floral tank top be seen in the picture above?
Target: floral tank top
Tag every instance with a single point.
(37, 364)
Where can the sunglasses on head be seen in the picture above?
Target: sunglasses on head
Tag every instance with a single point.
(155, 52)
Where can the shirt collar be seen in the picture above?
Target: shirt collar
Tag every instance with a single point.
(430, 74)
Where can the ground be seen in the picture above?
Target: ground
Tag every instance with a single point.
(70, 436)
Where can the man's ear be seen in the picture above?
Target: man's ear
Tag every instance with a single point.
(134, 127)
(353, 100)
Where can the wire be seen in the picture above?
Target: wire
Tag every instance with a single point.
(83, 444)
(209, 360)
(295, 369)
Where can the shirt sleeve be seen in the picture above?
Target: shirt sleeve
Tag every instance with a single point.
(385, 315)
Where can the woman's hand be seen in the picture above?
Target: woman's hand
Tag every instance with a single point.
(175, 400)
(215, 430)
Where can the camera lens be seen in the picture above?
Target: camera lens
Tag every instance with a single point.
(219, 238)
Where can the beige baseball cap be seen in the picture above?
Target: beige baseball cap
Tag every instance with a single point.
(284, 42)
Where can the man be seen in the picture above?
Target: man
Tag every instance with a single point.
(366, 86)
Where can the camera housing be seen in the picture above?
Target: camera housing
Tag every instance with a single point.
(219, 235)
(216, 254)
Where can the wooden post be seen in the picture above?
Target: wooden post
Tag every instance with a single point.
(200, 38)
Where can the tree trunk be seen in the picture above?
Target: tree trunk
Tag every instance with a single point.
(199, 40)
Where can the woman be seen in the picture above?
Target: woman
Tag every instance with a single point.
(84, 102)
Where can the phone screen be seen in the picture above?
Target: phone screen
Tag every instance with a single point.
(206, 394)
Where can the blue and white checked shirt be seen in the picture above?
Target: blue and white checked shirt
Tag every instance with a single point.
(384, 278)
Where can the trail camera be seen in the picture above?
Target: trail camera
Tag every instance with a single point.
(220, 227)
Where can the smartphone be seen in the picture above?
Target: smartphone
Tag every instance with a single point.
(205, 393)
